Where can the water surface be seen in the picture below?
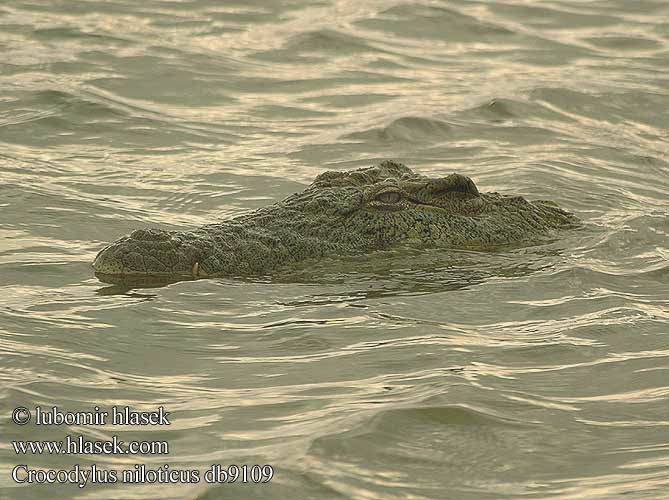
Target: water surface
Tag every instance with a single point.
(537, 373)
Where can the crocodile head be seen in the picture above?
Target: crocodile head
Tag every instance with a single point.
(340, 213)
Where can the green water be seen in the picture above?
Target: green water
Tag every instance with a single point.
(534, 373)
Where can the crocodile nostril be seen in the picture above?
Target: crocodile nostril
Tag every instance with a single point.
(150, 235)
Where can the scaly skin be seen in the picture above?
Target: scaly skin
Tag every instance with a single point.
(340, 213)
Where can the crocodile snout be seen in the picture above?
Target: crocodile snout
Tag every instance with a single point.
(150, 252)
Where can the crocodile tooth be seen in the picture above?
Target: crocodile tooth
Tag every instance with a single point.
(195, 269)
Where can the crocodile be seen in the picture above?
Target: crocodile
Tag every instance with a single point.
(340, 213)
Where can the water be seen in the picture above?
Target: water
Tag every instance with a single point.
(536, 373)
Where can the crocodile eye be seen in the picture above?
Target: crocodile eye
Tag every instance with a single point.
(389, 197)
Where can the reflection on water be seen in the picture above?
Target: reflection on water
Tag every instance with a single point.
(534, 372)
